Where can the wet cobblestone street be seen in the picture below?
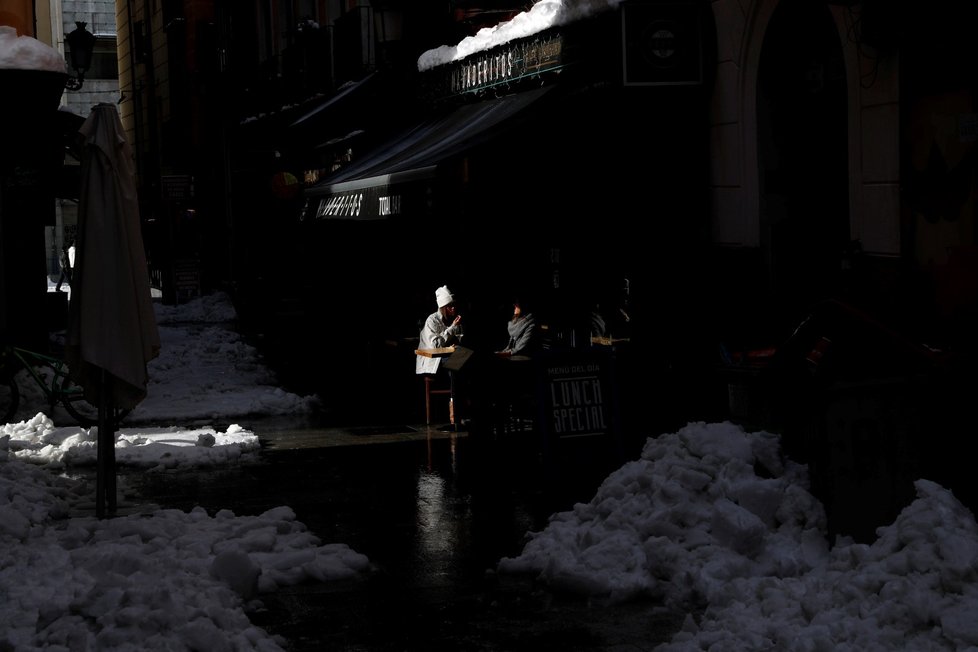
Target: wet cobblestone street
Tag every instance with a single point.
(434, 512)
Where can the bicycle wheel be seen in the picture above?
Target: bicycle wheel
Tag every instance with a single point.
(9, 396)
(86, 414)
(73, 400)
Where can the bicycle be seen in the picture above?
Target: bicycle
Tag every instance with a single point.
(50, 374)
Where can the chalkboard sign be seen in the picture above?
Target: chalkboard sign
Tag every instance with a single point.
(578, 395)
(186, 279)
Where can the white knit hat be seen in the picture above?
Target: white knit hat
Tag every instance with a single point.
(443, 296)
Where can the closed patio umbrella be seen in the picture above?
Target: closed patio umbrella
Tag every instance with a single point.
(112, 332)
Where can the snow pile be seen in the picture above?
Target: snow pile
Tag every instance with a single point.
(713, 519)
(27, 53)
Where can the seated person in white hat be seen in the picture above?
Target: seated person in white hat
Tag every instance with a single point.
(442, 328)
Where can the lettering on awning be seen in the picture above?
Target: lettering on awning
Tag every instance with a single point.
(341, 206)
(368, 203)
(510, 63)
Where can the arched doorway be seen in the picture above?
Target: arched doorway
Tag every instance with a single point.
(802, 154)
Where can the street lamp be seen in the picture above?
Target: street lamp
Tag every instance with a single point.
(81, 44)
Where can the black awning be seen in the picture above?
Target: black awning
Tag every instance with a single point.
(342, 96)
(397, 177)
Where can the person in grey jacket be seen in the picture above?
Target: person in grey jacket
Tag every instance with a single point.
(442, 328)
(523, 333)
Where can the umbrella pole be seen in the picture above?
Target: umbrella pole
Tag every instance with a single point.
(105, 485)
(100, 473)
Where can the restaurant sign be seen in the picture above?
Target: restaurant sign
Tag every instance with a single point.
(371, 203)
(579, 396)
(508, 64)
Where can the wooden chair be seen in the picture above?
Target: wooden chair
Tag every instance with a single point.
(432, 387)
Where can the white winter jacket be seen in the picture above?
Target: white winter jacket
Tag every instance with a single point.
(435, 335)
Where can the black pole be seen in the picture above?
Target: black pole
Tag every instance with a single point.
(105, 485)
(100, 460)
